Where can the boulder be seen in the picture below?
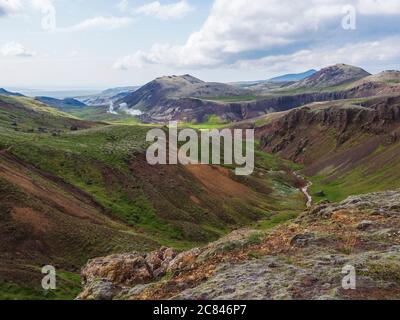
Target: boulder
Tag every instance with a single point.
(126, 269)
(184, 261)
(101, 289)
(159, 261)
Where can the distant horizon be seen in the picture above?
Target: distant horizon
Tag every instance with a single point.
(61, 90)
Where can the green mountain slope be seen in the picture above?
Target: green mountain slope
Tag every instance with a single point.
(28, 115)
(78, 194)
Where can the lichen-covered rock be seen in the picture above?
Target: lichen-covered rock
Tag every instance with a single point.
(106, 277)
(184, 261)
(159, 261)
(302, 240)
(306, 259)
(101, 289)
(236, 239)
(124, 269)
(313, 277)
(138, 289)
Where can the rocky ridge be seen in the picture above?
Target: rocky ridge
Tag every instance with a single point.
(291, 134)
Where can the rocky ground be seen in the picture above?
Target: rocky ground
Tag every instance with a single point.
(303, 259)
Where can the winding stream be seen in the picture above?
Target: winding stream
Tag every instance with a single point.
(305, 190)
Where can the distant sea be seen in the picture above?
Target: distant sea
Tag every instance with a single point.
(56, 93)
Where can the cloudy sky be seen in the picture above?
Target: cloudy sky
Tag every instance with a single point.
(106, 43)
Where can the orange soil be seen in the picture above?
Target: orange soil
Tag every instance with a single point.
(35, 219)
(216, 180)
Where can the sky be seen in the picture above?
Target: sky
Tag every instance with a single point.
(56, 44)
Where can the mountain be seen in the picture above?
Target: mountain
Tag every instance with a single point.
(331, 76)
(293, 77)
(188, 99)
(384, 78)
(107, 96)
(115, 91)
(161, 90)
(8, 93)
(63, 104)
(179, 97)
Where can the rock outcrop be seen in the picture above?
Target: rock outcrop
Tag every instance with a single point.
(107, 277)
(305, 259)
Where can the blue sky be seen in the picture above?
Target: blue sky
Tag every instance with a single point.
(105, 43)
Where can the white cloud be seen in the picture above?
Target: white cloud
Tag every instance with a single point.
(73, 53)
(15, 6)
(253, 28)
(48, 9)
(108, 23)
(379, 7)
(370, 53)
(237, 26)
(166, 11)
(9, 7)
(15, 49)
(43, 5)
(123, 5)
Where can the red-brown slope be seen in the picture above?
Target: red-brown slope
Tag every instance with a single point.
(334, 139)
(44, 221)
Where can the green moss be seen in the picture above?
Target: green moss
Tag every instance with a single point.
(385, 271)
(277, 219)
(212, 122)
(255, 238)
(255, 255)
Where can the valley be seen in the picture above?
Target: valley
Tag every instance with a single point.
(215, 155)
(75, 185)
(93, 193)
